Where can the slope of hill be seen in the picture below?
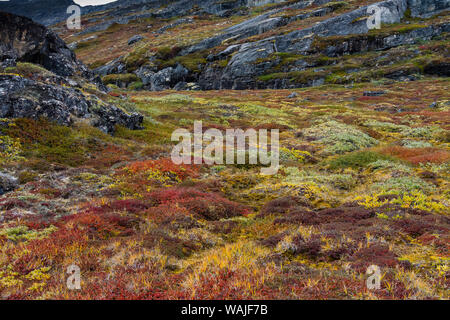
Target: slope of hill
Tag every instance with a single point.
(285, 45)
(47, 12)
(363, 120)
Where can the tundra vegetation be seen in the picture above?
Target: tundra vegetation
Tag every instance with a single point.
(363, 179)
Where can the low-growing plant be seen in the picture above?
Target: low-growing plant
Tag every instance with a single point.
(359, 159)
(402, 185)
(338, 138)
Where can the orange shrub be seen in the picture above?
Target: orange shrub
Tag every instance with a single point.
(418, 155)
(164, 165)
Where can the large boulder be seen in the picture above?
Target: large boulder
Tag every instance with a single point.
(164, 79)
(146, 74)
(114, 67)
(134, 39)
(7, 183)
(25, 98)
(22, 39)
(109, 117)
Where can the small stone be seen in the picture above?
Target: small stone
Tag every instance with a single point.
(7, 183)
(134, 39)
(72, 46)
(373, 93)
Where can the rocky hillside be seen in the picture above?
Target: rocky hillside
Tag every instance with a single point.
(46, 12)
(50, 12)
(288, 44)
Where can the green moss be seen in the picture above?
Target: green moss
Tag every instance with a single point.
(21, 233)
(394, 166)
(27, 69)
(167, 53)
(300, 77)
(136, 85)
(402, 185)
(407, 13)
(137, 57)
(337, 4)
(191, 61)
(27, 176)
(152, 133)
(118, 79)
(52, 143)
(87, 44)
(357, 159)
(296, 176)
(221, 63)
(418, 132)
(287, 58)
(10, 149)
(338, 138)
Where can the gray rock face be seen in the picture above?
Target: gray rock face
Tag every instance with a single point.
(164, 79)
(146, 74)
(22, 40)
(300, 41)
(225, 53)
(242, 69)
(257, 25)
(241, 65)
(7, 183)
(24, 98)
(174, 24)
(115, 66)
(109, 117)
(427, 8)
(363, 43)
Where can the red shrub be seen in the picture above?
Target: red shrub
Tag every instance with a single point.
(104, 222)
(163, 165)
(129, 205)
(345, 214)
(376, 254)
(418, 155)
(278, 206)
(209, 206)
(417, 227)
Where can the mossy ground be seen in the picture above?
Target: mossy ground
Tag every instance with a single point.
(141, 227)
(364, 179)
